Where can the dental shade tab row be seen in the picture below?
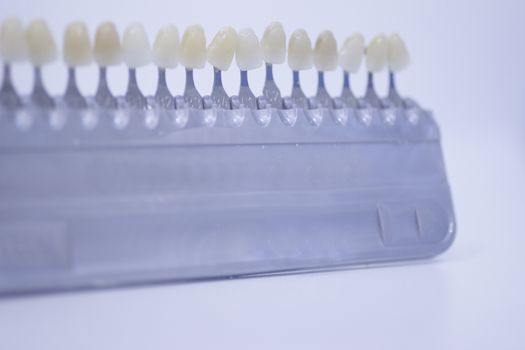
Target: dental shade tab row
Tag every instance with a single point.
(36, 43)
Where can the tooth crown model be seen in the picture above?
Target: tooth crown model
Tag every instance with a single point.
(116, 190)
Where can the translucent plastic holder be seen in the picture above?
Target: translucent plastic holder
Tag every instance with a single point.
(100, 198)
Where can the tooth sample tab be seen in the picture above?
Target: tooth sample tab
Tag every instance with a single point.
(107, 52)
(13, 49)
(107, 49)
(192, 55)
(165, 55)
(136, 47)
(398, 57)
(300, 51)
(350, 58)
(300, 57)
(248, 54)
(12, 41)
(166, 46)
(352, 52)
(77, 46)
(325, 52)
(273, 44)
(325, 59)
(42, 50)
(192, 50)
(377, 54)
(220, 55)
(222, 48)
(77, 52)
(376, 59)
(137, 53)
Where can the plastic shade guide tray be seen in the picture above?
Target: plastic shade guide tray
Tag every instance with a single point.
(97, 197)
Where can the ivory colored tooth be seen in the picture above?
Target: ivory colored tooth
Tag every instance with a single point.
(13, 46)
(248, 54)
(136, 47)
(352, 52)
(166, 47)
(377, 54)
(77, 46)
(398, 57)
(273, 44)
(325, 52)
(40, 43)
(192, 50)
(222, 48)
(300, 55)
(107, 50)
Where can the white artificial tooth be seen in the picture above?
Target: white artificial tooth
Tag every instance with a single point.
(107, 50)
(222, 48)
(166, 47)
(300, 55)
(398, 57)
(12, 41)
(273, 44)
(40, 43)
(325, 52)
(136, 47)
(249, 53)
(192, 50)
(377, 54)
(352, 52)
(77, 46)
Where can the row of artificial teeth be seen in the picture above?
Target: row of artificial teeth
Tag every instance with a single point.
(191, 51)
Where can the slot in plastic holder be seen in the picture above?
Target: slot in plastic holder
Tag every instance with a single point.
(98, 198)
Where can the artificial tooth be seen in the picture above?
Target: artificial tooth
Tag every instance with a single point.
(77, 46)
(377, 54)
(42, 50)
(222, 48)
(166, 46)
(107, 52)
(40, 43)
(325, 52)
(352, 52)
(273, 44)
(300, 55)
(13, 46)
(398, 57)
(107, 49)
(192, 50)
(248, 54)
(136, 47)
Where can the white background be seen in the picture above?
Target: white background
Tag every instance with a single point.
(468, 66)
